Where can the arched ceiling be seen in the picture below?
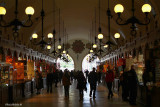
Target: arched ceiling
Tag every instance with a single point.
(77, 16)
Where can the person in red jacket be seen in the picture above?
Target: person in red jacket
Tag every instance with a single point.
(109, 80)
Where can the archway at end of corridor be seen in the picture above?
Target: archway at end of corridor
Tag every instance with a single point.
(89, 62)
(65, 62)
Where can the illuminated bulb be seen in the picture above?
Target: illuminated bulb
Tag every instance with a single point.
(100, 36)
(118, 8)
(64, 52)
(105, 46)
(49, 47)
(91, 51)
(50, 36)
(29, 10)
(94, 46)
(117, 35)
(2, 11)
(146, 8)
(34, 36)
(59, 46)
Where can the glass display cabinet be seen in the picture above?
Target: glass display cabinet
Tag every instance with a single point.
(6, 74)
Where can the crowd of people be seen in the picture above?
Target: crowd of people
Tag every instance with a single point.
(128, 81)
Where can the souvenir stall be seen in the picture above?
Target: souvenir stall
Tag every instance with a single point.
(6, 80)
(152, 87)
(41, 67)
(31, 73)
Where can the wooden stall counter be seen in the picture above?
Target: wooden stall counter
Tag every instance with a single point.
(149, 95)
(3, 95)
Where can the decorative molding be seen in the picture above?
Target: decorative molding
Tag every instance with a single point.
(141, 41)
(9, 44)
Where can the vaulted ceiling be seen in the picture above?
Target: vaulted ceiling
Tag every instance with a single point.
(77, 15)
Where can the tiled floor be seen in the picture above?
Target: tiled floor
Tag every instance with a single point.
(56, 99)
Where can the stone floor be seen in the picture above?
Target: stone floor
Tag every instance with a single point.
(56, 99)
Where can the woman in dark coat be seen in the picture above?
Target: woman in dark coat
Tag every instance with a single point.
(66, 82)
(81, 85)
(39, 81)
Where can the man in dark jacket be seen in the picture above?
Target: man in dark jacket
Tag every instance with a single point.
(124, 83)
(49, 81)
(132, 85)
(92, 79)
(56, 77)
(86, 72)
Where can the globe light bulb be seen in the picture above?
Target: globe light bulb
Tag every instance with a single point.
(100, 36)
(34, 36)
(91, 51)
(94, 46)
(50, 36)
(146, 8)
(29, 10)
(106, 46)
(49, 47)
(118, 8)
(117, 35)
(2, 11)
(59, 47)
(64, 52)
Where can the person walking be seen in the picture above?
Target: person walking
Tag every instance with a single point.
(39, 81)
(81, 85)
(109, 80)
(56, 77)
(66, 82)
(60, 76)
(92, 79)
(49, 81)
(71, 74)
(124, 83)
(86, 72)
(132, 85)
(99, 76)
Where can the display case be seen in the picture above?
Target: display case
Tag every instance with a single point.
(6, 74)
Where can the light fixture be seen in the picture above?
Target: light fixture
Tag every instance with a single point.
(29, 10)
(91, 51)
(118, 8)
(117, 35)
(105, 46)
(146, 9)
(94, 46)
(2, 11)
(34, 36)
(109, 43)
(50, 36)
(54, 42)
(59, 47)
(42, 42)
(100, 36)
(48, 47)
(64, 52)
(16, 22)
(54, 52)
(64, 41)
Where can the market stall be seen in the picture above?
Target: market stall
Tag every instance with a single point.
(6, 81)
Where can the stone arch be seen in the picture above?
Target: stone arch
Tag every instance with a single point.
(87, 65)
